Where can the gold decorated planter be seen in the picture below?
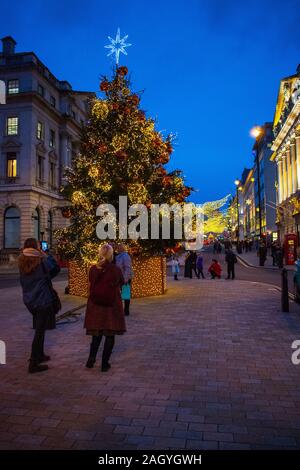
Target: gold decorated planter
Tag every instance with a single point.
(149, 278)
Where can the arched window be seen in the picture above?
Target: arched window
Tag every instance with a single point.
(50, 227)
(36, 223)
(12, 228)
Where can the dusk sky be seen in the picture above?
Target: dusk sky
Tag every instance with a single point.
(210, 69)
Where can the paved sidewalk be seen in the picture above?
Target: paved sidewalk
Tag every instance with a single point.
(252, 259)
(207, 366)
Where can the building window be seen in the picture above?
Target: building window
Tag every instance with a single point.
(40, 168)
(12, 126)
(40, 130)
(13, 87)
(52, 174)
(41, 90)
(53, 101)
(36, 223)
(52, 138)
(12, 228)
(11, 165)
(50, 228)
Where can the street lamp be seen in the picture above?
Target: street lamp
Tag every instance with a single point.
(256, 132)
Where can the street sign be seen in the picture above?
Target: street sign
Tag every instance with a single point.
(2, 92)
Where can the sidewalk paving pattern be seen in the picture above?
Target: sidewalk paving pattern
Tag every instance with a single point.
(207, 366)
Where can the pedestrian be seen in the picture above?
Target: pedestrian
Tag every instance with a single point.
(219, 248)
(231, 260)
(36, 271)
(273, 252)
(123, 261)
(188, 265)
(215, 269)
(215, 247)
(279, 256)
(199, 266)
(104, 313)
(175, 267)
(193, 260)
(262, 253)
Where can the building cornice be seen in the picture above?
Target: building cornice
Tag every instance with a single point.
(29, 188)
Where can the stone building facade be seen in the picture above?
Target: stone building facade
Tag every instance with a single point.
(286, 155)
(40, 128)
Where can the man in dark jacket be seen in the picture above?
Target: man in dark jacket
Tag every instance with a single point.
(230, 259)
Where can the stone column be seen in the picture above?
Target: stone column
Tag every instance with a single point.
(288, 173)
(280, 181)
(284, 178)
(294, 166)
(297, 148)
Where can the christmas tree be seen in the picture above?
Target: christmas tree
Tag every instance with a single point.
(122, 153)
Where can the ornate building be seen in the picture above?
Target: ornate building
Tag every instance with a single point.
(286, 155)
(40, 124)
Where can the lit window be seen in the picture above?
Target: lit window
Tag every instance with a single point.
(12, 125)
(52, 138)
(53, 101)
(13, 87)
(41, 90)
(11, 165)
(40, 130)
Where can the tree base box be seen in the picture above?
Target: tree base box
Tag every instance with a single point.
(150, 277)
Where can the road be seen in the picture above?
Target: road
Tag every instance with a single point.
(247, 273)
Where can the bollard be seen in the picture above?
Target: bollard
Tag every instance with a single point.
(284, 291)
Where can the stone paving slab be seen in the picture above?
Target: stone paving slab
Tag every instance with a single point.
(206, 366)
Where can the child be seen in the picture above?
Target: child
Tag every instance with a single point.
(215, 269)
(199, 266)
(175, 267)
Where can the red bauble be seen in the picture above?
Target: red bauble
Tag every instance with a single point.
(104, 85)
(122, 155)
(122, 71)
(167, 180)
(66, 212)
(102, 148)
(134, 100)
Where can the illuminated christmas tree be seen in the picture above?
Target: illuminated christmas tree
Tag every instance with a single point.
(122, 153)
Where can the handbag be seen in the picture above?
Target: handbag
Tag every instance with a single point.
(126, 292)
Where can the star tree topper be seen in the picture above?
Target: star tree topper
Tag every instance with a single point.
(117, 45)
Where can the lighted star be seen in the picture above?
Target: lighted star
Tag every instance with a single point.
(117, 45)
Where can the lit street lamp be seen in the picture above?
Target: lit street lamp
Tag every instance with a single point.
(256, 132)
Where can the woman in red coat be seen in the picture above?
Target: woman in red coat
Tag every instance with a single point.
(215, 269)
(104, 313)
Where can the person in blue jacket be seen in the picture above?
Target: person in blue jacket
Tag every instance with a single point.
(36, 271)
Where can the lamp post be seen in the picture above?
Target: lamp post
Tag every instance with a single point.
(256, 132)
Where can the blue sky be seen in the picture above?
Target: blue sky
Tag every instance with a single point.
(210, 69)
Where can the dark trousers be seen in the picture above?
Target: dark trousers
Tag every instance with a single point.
(126, 306)
(230, 271)
(107, 350)
(40, 323)
(200, 273)
(193, 268)
(214, 275)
